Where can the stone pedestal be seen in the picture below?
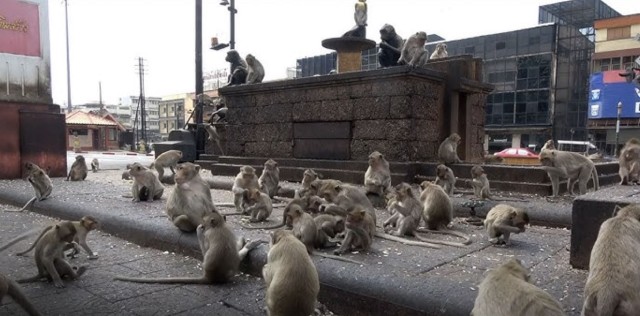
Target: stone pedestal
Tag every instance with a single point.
(349, 51)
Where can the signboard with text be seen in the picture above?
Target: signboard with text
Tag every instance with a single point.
(19, 28)
(606, 89)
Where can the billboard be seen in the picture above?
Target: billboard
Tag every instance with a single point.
(606, 89)
(19, 28)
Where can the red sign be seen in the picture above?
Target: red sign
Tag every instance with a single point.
(19, 28)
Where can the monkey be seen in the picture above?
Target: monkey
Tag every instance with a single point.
(238, 68)
(49, 255)
(360, 228)
(507, 291)
(307, 203)
(613, 284)
(168, 159)
(328, 226)
(78, 169)
(568, 165)
(83, 227)
(595, 156)
(480, 183)
(245, 179)
(255, 71)
(303, 226)
(40, 182)
(126, 175)
(390, 45)
(95, 165)
(408, 212)
(270, 178)
(146, 185)
(445, 178)
(437, 214)
(629, 162)
(257, 204)
(286, 295)
(214, 136)
(12, 289)
(502, 220)
(548, 145)
(447, 152)
(190, 201)
(308, 177)
(377, 178)
(222, 254)
(489, 159)
(440, 51)
(413, 52)
(346, 196)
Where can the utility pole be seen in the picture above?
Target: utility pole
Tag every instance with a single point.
(100, 94)
(141, 101)
(66, 20)
(232, 19)
(199, 82)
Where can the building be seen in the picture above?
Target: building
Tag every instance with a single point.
(171, 113)
(122, 113)
(152, 118)
(617, 49)
(94, 131)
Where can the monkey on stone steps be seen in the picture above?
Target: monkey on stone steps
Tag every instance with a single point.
(190, 201)
(502, 220)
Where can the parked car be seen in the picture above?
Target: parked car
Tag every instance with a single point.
(517, 153)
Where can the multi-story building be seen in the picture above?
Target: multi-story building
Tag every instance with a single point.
(152, 118)
(171, 113)
(122, 113)
(617, 49)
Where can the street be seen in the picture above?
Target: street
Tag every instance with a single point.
(117, 161)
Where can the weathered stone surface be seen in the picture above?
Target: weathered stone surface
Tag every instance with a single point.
(274, 132)
(337, 110)
(422, 150)
(282, 149)
(361, 90)
(400, 106)
(393, 150)
(371, 108)
(321, 94)
(427, 130)
(257, 149)
(424, 108)
(384, 129)
(234, 148)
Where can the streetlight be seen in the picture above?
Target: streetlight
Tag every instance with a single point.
(615, 150)
(232, 37)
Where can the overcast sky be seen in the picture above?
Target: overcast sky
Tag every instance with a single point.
(107, 36)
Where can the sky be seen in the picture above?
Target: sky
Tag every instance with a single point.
(106, 37)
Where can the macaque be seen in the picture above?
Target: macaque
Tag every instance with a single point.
(222, 254)
(360, 229)
(413, 52)
(146, 186)
(407, 212)
(49, 255)
(548, 145)
(308, 203)
(83, 227)
(214, 136)
(40, 182)
(613, 284)
(79, 170)
(238, 68)
(565, 164)
(507, 291)
(270, 178)
(168, 159)
(255, 71)
(490, 159)
(502, 220)
(309, 176)
(190, 201)
(257, 204)
(629, 162)
(447, 152)
(440, 51)
(303, 227)
(377, 178)
(445, 178)
(288, 295)
(95, 165)
(346, 196)
(246, 179)
(480, 183)
(10, 288)
(438, 214)
(390, 45)
(328, 227)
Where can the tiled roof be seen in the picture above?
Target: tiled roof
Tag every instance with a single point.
(78, 117)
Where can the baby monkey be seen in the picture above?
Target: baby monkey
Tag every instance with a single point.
(257, 204)
(83, 227)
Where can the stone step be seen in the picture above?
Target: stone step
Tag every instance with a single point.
(396, 167)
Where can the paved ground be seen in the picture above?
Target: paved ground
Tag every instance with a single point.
(436, 281)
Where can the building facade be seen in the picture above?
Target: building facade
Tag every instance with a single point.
(617, 50)
(171, 113)
(152, 117)
(93, 131)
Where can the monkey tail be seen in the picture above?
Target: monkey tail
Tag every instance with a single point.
(28, 205)
(596, 180)
(406, 241)
(22, 237)
(334, 257)
(467, 238)
(22, 253)
(21, 299)
(225, 205)
(200, 280)
(261, 227)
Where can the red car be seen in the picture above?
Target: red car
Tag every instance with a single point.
(516, 153)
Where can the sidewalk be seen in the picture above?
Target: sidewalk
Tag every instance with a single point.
(396, 279)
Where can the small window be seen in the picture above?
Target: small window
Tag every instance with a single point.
(501, 45)
(113, 136)
(618, 33)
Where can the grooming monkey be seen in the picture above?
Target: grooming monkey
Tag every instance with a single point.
(246, 179)
(438, 214)
(440, 51)
(83, 227)
(328, 227)
(564, 164)
(613, 284)
(413, 52)
(257, 204)
(447, 152)
(255, 71)
(270, 178)
(445, 178)
(78, 169)
(49, 255)
(360, 229)
(377, 178)
(190, 200)
(502, 220)
(214, 136)
(407, 216)
(222, 254)
(95, 165)
(40, 182)
(629, 162)
(309, 177)
(345, 196)
(168, 159)
(12, 289)
(308, 203)
(507, 291)
(146, 186)
(288, 295)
